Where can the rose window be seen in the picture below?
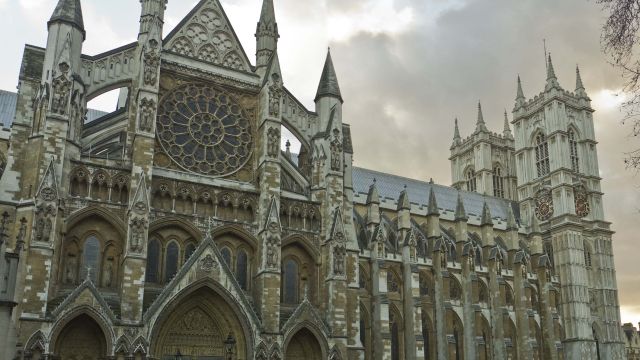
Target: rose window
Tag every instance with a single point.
(204, 130)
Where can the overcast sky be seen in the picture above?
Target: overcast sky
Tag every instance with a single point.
(406, 69)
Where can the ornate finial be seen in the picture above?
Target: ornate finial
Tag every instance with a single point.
(456, 133)
(480, 124)
(375, 180)
(431, 180)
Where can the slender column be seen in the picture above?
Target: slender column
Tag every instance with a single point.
(496, 309)
(468, 313)
(520, 283)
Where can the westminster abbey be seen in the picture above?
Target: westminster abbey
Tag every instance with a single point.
(176, 227)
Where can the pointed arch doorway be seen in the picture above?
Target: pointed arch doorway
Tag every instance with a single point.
(303, 346)
(81, 339)
(197, 326)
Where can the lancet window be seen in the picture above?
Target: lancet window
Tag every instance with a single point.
(542, 155)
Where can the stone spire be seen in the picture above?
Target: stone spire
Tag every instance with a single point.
(580, 91)
(507, 130)
(432, 207)
(329, 81)
(373, 197)
(456, 134)
(552, 80)
(70, 12)
(511, 219)
(486, 215)
(266, 34)
(403, 201)
(520, 99)
(480, 124)
(461, 213)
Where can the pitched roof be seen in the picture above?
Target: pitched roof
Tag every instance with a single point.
(69, 11)
(389, 187)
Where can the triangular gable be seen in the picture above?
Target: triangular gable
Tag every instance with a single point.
(273, 217)
(85, 294)
(305, 311)
(273, 68)
(48, 182)
(140, 198)
(337, 227)
(206, 261)
(207, 35)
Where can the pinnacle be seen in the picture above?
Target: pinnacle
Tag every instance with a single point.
(486, 215)
(329, 81)
(551, 74)
(480, 124)
(432, 207)
(579, 85)
(520, 94)
(373, 197)
(456, 133)
(461, 213)
(68, 11)
(507, 129)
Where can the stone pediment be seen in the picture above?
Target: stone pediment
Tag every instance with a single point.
(86, 294)
(306, 313)
(205, 264)
(206, 34)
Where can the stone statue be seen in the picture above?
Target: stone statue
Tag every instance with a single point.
(71, 266)
(151, 62)
(147, 114)
(272, 254)
(275, 94)
(61, 91)
(107, 276)
(138, 227)
(273, 142)
(338, 261)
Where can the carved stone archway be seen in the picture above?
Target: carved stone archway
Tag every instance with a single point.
(197, 327)
(303, 346)
(81, 338)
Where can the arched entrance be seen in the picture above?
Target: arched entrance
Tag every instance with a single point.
(303, 346)
(81, 339)
(197, 327)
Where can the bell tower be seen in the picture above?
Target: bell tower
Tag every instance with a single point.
(559, 184)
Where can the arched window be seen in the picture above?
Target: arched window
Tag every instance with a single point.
(241, 269)
(587, 257)
(363, 331)
(290, 284)
(573, 151)
(542, 155)
(471, 180)
(171, 261)
(595, 337)
(456, 339)
(90, 258)
(226, 255)
(153, 261)
(188, 251)
(498, 182)
(395, 339)
(425, 338)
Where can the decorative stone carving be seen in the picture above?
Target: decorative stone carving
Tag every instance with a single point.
(44, 223)
(208, 263)
(339, 259)
(147, 114)
(544, 204)
(138, 230)
(336, 151)
(61, 90)
(273, 142)
(581, 202)
(48, 194)
(71, 267)
(275, 95)
(151, 63)
(107, 275)
(273, 244)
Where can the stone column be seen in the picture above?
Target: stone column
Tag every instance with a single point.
(496, 306)
(520, 284)
(468, 312)
(543, 271)
(440, 268)
(380, 324)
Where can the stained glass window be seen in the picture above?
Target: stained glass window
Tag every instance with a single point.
(471, 180)
(204, 130)
(241, 269)
(91, 258)
(153, 261)
(189, 250)
(290, 293)
(498, 182)
(226, 255)
(171, 261)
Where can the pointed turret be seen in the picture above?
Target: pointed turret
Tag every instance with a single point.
(480, 124)
(520, 99)
(328, 86)
(456, 134)
(373, 197)
(403, 200)
(580, 91)
(70, 12)
(486, 215)
(511, 219)
(373, 205)
(266, 34)
(461, 213)
(552, 80)
(507, 129)
(432, 208)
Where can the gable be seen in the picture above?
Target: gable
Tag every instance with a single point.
(206, 34)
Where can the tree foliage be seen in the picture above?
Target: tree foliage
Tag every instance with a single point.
(621, 41)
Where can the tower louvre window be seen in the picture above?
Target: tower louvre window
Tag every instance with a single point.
(498, 182)
(573, 151)
(471, 180)
(542, 155)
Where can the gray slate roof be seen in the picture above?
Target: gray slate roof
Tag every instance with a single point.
(389, 187)
(8, 102)
(69, 11)
(328, 85)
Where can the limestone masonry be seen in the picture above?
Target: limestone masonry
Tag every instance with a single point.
(177, 228)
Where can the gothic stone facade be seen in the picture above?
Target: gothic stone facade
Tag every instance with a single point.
(177, 226)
